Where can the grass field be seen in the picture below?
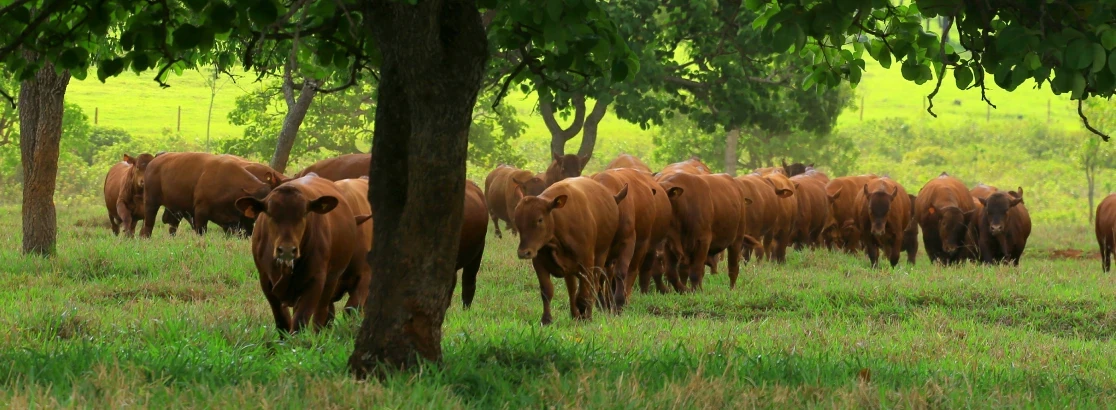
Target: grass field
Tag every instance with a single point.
(180, 322)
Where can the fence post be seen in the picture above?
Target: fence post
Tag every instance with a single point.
(1048, 111)
(96, 115)
(862, 107)
(180, 119)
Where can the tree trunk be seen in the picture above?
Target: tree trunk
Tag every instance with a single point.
(433, 62)
(589, 134)
(731, 140)
(1089, 177)
(40, 131)
(296, 113)
(559, 135)
(209, 117)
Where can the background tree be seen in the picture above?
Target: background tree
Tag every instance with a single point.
(1093, 154)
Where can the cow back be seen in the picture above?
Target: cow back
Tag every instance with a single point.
(628, 161)
(348, 166)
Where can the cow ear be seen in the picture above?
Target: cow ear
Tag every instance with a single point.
(250, 207)
(323, 204)
(129, 159)
(584, 160)
(894, 192)
(1016, 201)
(784, 193)
(748, 201)
(654, 192)
(558, 202)
(555, 156)
(836, 194)
(362, 219)
(931, 210)
(675, 192)
(983, 201)
(796, 185)
(865, 189)
(622, 194)
(519, 191)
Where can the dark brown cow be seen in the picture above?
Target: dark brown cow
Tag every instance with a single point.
(470, 251)
(199, 185)
(355, 193)
(884, 215)
(841, 229)
(795, 169)
(569, 232)
(1105, 225)
(502, 192)
(343, 167)
(708, 218)
(944, 209)
(644, 222)
(628, 161)
(787, 217)
(1003, 227)
(910, 236)
(565, 166)
(124, 193)
(307, 246)
(764, 215)
(813, 210)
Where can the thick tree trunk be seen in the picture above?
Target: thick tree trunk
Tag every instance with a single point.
(589, 134)
(731, 140)
(559, 135)
(296, 113)
(40, 131)
(433, 61)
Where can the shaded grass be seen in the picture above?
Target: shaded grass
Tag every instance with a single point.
(180, 322)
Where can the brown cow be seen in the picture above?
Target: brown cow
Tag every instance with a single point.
(841, 229)
(795, 169)
(787, 217)
(1105, 226)
(1003, 227)
(708, 218)
(884, 212)
(628, 161)
(503, 187)
(307, 248)
(910, 236)
(565, 166)
(199, 185)
(260, 171)
(124, 193)
(814, 173)
(813, 210)
(569, 232)
(763, 215)
(343, 167)
(645, 218)
(692, 166)
(944, 209)
(355, 193)
(768, 171)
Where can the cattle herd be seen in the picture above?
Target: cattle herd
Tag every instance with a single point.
(601, 234)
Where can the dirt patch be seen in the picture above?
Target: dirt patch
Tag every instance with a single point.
(1066, 254)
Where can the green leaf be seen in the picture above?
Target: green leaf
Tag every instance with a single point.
(1062, 81)
(910, 72)
(854, 74)
(1011, 39)
(221, 17)
(754, 5)
(1077, 86)
(554, 10)
(924, 74)
(963, 75)
(263, 12)
(885, 58)
(140, 61)
(21, 14)
(619, 70)
(187, 37)
(1032, 61)
(73, 58)
(1105, 80)
(1002, 76)
(1108, 39)
(1019, 74)
(1098, 58)
(109, 68)
(1078, 54)
(1112, 63)
(785, 36)
(196, 5)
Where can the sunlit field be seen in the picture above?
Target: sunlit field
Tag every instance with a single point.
(181, 322)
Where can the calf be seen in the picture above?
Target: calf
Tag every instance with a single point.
(1003, 227)
(306, 248)
(645, 216)
(568, 232)
(124, 193)
(944, 209)
(884, 210)
(1105, 225)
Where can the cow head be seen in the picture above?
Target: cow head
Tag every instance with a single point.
(796, 168)
(534, 218)
(565, 166)
(996, 207)
(879, 204)
(139, 166)
(288, 211)
(953, 224)
(533, 186)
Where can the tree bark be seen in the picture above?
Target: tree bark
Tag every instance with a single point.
(40, 132)
(1089, 177)
(589, 134)
(296, 113)
(433, 61)
(731, 140)
(559, 135)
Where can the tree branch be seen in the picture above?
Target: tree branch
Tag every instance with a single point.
(547, 111)
(1085, 120)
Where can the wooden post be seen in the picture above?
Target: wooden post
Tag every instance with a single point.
(180, 119)
(988, 116)
(862, 107)
(1048, 111)
(96, 115)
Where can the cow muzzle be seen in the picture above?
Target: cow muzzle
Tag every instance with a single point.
(996, 229)
(878, 231)
(527, 254)
(286, 255)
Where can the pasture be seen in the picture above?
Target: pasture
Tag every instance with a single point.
(178, 322)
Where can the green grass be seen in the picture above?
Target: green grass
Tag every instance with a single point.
(181, 322)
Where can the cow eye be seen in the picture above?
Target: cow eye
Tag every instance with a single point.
(540, 221)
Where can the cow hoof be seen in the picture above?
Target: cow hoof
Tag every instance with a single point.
(546, 320)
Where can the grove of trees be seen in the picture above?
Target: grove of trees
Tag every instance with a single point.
(760, 71)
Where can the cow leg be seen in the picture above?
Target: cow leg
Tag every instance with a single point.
(201, 220)
(171, 221)
(896, 250)
(873, 251)
(1106, 263)
(496, 225)
(571, 288)
(150, 211)
(712, 261)
(546, 290)
(585, 293)
(986, 252)
(697, 268)
(469, 278)
(308, 304)
(623, 274)
(282, 316)
(734, 251)
(359, 294)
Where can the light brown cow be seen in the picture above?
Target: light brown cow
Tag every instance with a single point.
(124, 193)
(708, 218)
(884, 209)
(308, 251)
(813, 210)
(692, 166)
(944, 209)
(569, 232)
(202, 186)
(628, 161)
(644, 221)
(764, 215)
(776, 244)
(503, 187)
(343, 167)
(841, 228)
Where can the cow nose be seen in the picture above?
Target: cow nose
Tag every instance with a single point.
(526, 254)
(996, 228)
(286, 252)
